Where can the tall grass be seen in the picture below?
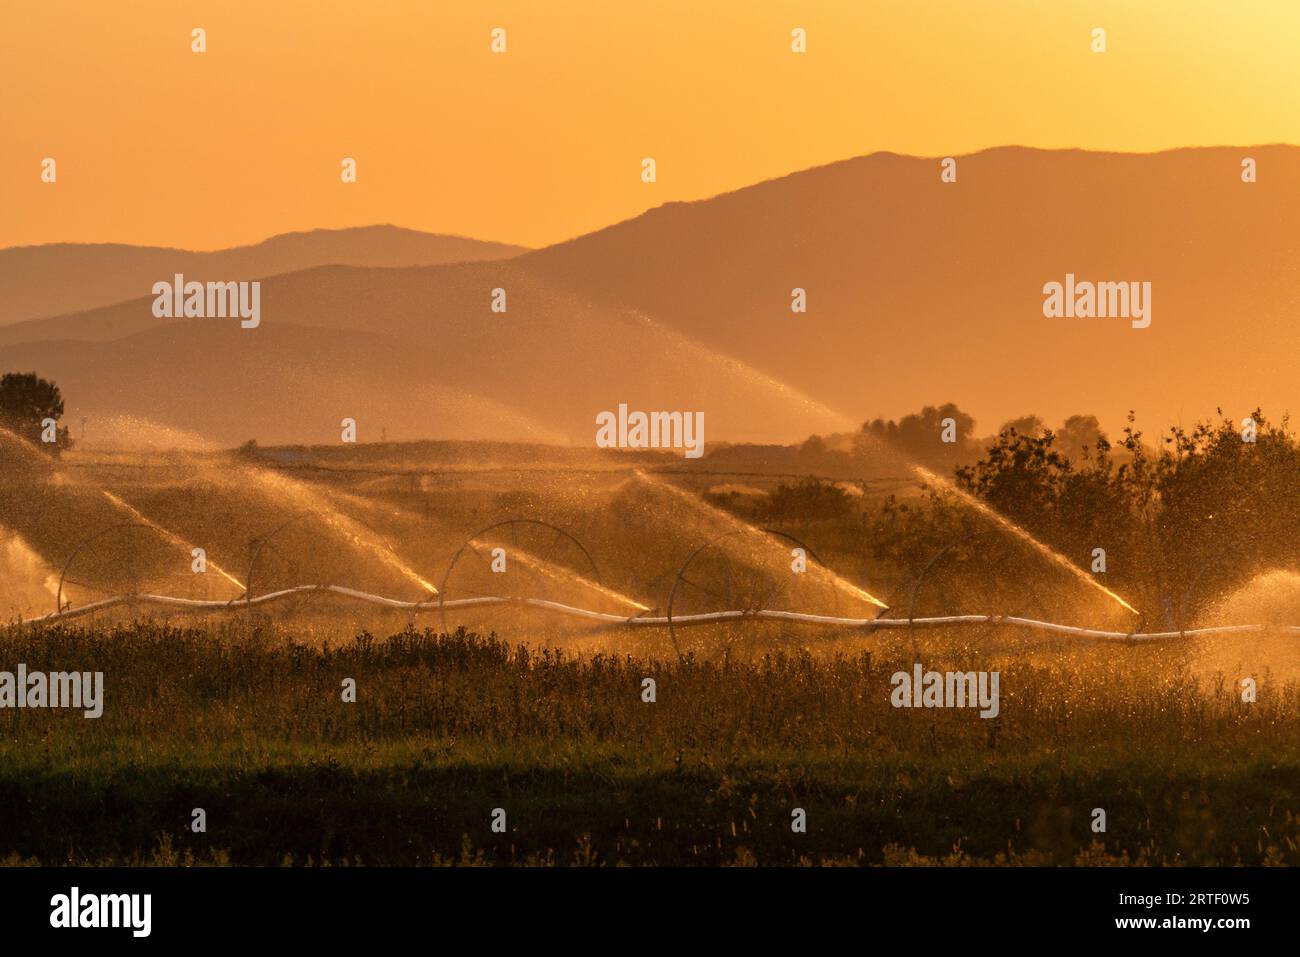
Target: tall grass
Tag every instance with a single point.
(249, 724)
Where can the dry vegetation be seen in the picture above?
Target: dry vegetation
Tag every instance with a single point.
(242, 715)
(249, 725)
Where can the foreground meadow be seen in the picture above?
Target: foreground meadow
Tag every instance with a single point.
(248, 723)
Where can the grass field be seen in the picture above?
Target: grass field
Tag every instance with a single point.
(246, 722)
(241, 714)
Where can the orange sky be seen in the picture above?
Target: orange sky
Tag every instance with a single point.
(159, 145)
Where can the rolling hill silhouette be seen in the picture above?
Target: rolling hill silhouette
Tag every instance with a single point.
(49, 280)
(414, 352)
(918, 291)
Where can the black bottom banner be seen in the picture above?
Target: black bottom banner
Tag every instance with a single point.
(237, 905)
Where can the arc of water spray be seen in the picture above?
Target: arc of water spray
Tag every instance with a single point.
(167, 533)
(567, 577)
(1055, 557)
(540, 565)
(840, 583)
(356, 532)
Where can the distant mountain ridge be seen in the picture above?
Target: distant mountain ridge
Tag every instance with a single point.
(410, 353)
(59, 278)
(918, 292)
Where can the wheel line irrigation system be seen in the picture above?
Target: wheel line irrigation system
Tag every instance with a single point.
(642, 620)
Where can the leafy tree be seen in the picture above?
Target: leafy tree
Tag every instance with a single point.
(26, 401)
(813, 445)
(1025, 425)
(919, 435)
(1080, 437)
(1179, 524)
(810, 499)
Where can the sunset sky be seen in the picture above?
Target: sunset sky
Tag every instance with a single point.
(159, 145)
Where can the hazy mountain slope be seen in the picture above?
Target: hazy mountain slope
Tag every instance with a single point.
(49, 280)
(415, 351)
(920, 291)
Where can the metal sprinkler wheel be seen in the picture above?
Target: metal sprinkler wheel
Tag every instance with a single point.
(130, 562)
(255, 548)
(263, 543)
(514, 559)
(950, 556)
(713, 579)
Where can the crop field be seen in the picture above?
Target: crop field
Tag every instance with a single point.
(247, 723)
(323, 730)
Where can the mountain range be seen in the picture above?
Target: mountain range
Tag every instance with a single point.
(918, 291)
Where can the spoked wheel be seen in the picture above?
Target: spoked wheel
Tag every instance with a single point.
(744, 572)
(281, 559)
(525, 558)
(129, 558)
